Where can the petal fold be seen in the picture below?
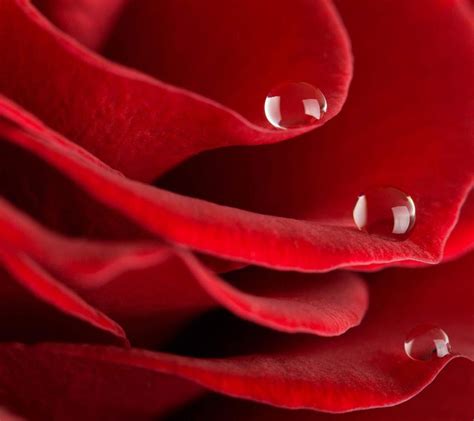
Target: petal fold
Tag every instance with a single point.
(143, 126)
(162, 283)
(278, 242)
(365, 368)
(37, 307)
(226, 232)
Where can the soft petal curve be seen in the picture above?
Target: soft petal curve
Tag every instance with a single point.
(407, 123)
(240, 49)
(162, 283)
(449, 397)
(233, 233)
(366, 368)
(138, 124)
(51, 310)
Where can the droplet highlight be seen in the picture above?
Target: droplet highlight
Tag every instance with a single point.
(294, 104)
(385, 211)
(425, 342)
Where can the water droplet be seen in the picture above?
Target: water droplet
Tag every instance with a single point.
(385, 211)
(294, 104)
(426, 341)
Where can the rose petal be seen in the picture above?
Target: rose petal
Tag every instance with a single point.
(240, 49)
(77, 388)
(228, 232)
(36, 307)
(378, 133)
(138, 124)
(54, 200)
(364, 368)
(449, 397)
(85, 263)
(168, 295)
(88, 21)
(161, 283)
(459, 242)
(407, 123)
(324, 304)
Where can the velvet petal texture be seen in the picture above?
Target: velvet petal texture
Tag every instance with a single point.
(448, 398)
(317, 245)
(362, 369)
(164, 287)
(142, 126)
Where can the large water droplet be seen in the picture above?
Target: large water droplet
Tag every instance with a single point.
(427, 341)
(385, 211)
(294, 104)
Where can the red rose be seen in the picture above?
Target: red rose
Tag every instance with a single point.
(147, 271)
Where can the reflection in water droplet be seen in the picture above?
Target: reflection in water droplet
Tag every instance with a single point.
(385, 211)
(426, 341)
(294, 104)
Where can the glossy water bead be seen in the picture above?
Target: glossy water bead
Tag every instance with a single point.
(294, 104)
(385, 211)
(427, 341)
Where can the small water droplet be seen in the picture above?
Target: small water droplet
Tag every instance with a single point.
(427, 341)
(385, 211)
(294, 104)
